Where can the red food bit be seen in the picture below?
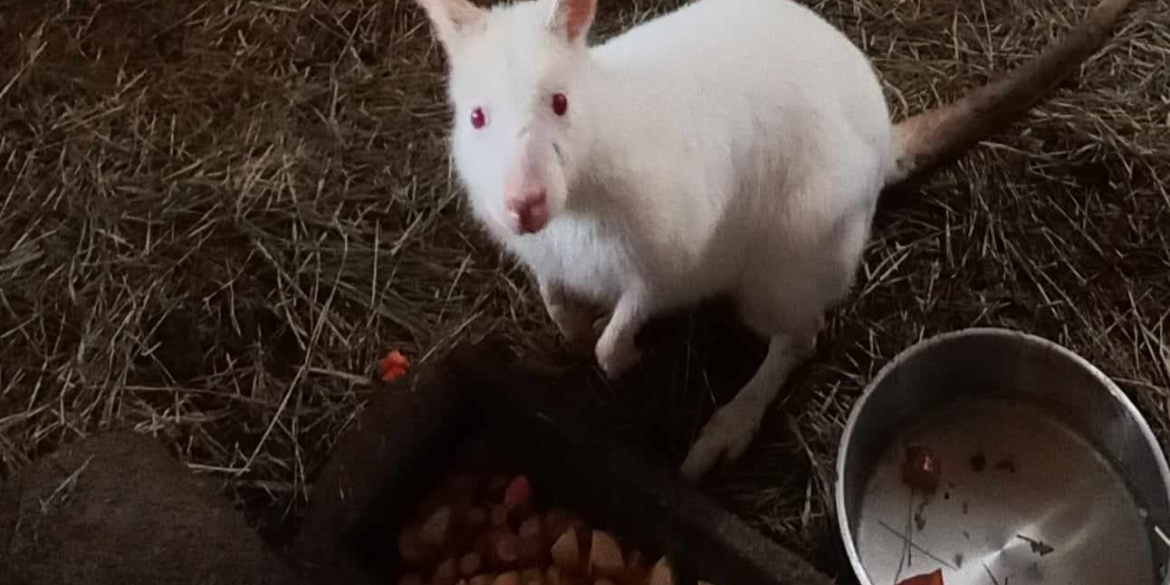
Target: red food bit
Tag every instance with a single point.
(921, 470)
(934, 578)
(393, 366)
(518, 492)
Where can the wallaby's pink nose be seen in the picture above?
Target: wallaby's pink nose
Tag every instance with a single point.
(529, 213)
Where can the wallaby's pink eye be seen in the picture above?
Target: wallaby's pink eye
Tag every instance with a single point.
(477, 118)
(560, 104)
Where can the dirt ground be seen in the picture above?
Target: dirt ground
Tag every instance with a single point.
(216, 216)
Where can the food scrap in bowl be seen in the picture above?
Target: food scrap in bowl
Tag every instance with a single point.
(932, 578)
(921, 470)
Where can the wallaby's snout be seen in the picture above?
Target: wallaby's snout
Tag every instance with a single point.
(529, 211)
(534, 184)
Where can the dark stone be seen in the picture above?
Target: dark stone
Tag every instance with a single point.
(117, 508)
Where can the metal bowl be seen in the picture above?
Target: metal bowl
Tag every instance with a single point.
(1048, 472)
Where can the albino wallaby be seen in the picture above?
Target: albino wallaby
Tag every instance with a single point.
(731, 147)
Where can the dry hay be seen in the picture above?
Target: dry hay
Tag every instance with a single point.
(215, 216)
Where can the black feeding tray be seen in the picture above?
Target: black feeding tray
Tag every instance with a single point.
(404, 441)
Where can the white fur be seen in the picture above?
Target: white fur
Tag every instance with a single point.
(730, 147)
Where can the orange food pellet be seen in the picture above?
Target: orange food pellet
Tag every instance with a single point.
(933, 578)
(393, 366)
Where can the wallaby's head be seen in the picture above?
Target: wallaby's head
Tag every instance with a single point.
(515, 79)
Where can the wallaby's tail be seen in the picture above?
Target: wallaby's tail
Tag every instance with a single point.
(925, 141)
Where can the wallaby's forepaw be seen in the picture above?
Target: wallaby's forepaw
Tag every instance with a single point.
(601, 323)
(726, 436)
(576, 328)
(617, 359)
(579, 336)
(579, 347)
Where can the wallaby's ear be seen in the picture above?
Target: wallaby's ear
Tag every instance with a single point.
(571, 19)
(451, 19)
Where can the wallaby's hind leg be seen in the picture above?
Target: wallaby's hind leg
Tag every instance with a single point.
(733, 427)
(787, 303)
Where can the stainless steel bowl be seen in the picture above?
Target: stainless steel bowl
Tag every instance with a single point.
(1048, 472)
